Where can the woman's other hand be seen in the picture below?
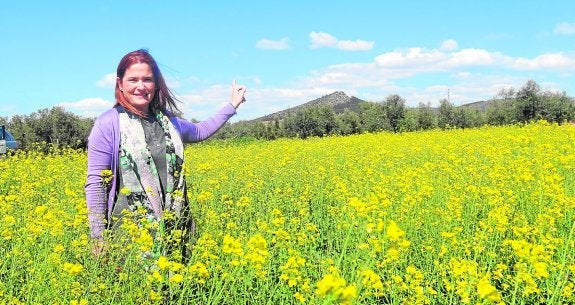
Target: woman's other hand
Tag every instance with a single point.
(99, 248)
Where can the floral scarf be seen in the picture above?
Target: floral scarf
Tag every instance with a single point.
(139, 172)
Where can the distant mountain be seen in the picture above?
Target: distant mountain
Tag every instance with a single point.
(481, 105)
(338, 100)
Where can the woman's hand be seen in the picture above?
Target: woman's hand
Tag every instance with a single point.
(238, 94)
(99, 248)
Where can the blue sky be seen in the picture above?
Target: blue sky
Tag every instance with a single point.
(286, 52)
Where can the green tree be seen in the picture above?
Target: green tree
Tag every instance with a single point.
(302, 124)
(446, 115)
(426, 117)
(528, 102)
(349, 123)
(394, 107)
(51, 126)
(409, 121)
(22, 131)
(373, 117)
(557, 107)
(500, 112)
(466, 117)
(316, 121)
(327, 121)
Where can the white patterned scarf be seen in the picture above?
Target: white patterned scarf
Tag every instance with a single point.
(139, 172)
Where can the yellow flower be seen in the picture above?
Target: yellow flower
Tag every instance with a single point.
(200, 271)
(73, 269)
(144, 240)
(176, 278)
(298, 296)
(291, 269)
(329, 283)
(175, 266)
(257, 251)
(333, 285)
(156, 276)
(154, 296)
(348, 294)
(232, 246)
(487, 291)
(372, 281)
(540, 270)
(393, 232)
(58, 249)
(9, 220)
(568, 290)
(106, 175)
(163, 262)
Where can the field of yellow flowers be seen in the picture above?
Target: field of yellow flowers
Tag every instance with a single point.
(481, 216)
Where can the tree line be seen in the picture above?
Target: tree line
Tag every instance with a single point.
(49, 128)
(510, 106)
(57, 128)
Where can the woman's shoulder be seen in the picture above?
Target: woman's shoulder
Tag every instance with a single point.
(108, 116)
(107, 122)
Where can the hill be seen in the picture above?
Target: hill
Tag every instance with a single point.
(338, 100)
(480, 105)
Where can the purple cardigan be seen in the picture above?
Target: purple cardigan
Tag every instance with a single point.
(103, 153)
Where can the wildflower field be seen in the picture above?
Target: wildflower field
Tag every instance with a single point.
(476, 216)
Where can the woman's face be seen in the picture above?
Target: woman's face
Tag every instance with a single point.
(138, 86)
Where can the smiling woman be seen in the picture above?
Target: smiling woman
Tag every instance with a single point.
(136, 158)
(138, 86)
(138, 79)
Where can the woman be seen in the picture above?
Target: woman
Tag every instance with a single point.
(136, 152)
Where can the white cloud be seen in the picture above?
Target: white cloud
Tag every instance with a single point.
(418, 60)
(462, 75)
(554, 61)
(377, 79)
(469, 74)
(87, 103)
(412, 57)
(325, 40)
(202, 103)
(449, 45)
(357, 45)
(268, 44)
(108, 81)
(474, 57)
(564, 29)
(88, 107)
(322, 40)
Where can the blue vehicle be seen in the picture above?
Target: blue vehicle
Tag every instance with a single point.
(7, 141)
